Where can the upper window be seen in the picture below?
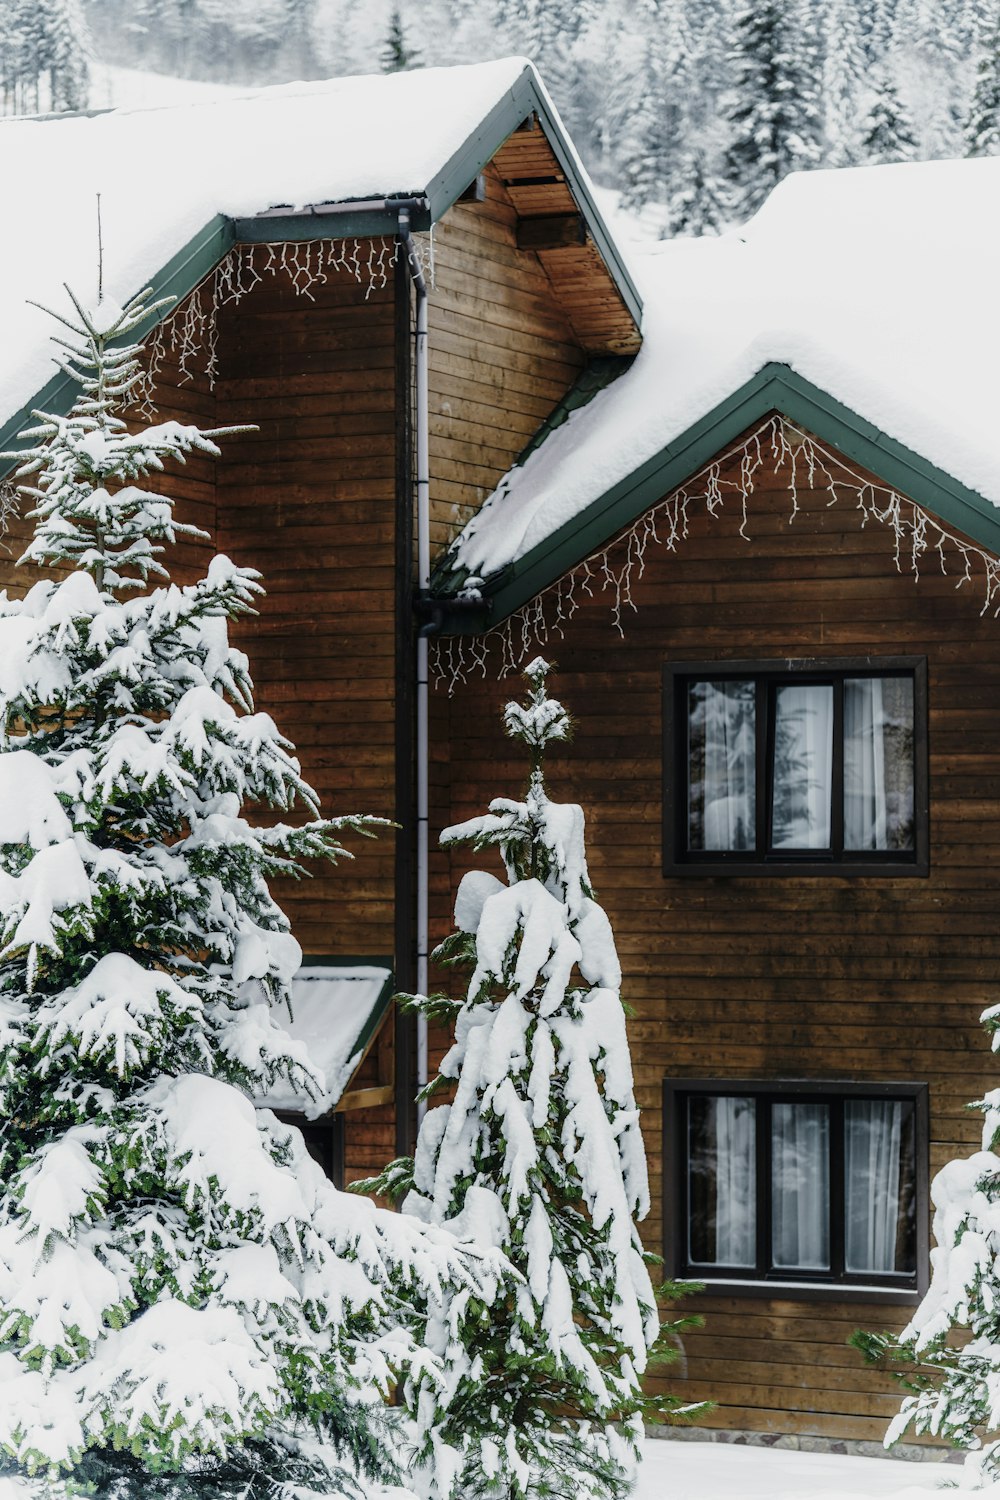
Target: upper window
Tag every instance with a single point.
(815, 766)
(798, 1184)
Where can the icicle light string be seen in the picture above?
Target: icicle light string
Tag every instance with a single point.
(806, 465)
(9, 505)
(191, 332)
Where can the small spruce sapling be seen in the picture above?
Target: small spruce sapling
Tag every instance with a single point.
(540, 1153)
(953, 1383)
(187, 1306)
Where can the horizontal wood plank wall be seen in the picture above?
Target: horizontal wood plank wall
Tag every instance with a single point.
(780, 977)
(502, 354)
(308, 499)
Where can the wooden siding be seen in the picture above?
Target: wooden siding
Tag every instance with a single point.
(781, 977)
(308, 499)
(538, 190)
(501, 354)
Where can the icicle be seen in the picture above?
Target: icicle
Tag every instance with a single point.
(191, 333)
(615, 567)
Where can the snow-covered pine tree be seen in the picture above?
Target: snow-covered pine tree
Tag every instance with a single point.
(44, 55)
(541, 1153)
(982, 128)
(954, 1383)
(774, 111)
(696, 204)
(655, 131)
(929, 70)
(844, 70)
(186, 1303)
(397, 55)
(886, 131)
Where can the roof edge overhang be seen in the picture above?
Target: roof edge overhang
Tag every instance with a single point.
(359, 219)
(775, 387)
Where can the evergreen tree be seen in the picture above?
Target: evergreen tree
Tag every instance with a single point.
(774, 114)
(696, 204)
(397, 55)
(982, 128)
(844, 71)
(541, 1153)
(886, 132)
(186, 1303)
(951, 1346)
(44, 55)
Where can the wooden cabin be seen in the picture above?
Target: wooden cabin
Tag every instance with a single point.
(769, 586)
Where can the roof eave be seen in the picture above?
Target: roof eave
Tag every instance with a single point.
(359, 218)
(525, 97)
(775, 387)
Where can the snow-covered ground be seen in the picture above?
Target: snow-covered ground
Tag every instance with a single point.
(688, 1470)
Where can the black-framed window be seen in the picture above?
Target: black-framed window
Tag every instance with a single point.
(806, 1186)
(811, 767)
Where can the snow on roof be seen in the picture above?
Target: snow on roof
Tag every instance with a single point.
(164, 174)
(877, 284)
(330, 1010)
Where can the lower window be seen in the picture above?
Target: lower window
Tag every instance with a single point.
(801, 1184)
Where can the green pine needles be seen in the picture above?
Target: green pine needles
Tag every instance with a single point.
(187, 1306)
(540, 1152)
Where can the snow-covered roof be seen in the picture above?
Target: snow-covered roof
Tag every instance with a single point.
(878, 285)
(165, 175)
(334, 1012)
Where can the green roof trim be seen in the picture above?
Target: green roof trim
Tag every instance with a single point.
(599, 372)
(525, 98)
(775, 387)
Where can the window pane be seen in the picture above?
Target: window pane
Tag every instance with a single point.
(880, 1232)
(803, 766)
(722, 1182)
(721, 765)
(878, 763)
(800, 1187)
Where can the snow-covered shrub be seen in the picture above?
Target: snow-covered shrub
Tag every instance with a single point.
(186, 1303)
(951, 1346)
(540, 1152)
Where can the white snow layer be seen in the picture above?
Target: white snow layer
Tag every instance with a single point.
(877, 284)
(679, 1470)
(164, 173)
(329, 1009)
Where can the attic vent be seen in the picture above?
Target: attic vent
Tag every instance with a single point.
(532, 181)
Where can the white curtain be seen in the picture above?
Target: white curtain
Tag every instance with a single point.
(873, 1138)
(878, 763)
(800, 1186)
(803, 766)
(722, 766)
(722, 1182)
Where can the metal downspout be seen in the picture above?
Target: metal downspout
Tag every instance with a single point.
(423, 586)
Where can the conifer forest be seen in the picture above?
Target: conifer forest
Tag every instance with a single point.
(693, 109)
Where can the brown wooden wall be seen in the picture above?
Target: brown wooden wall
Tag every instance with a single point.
(501, 354)
(308, 499)
(779, 977)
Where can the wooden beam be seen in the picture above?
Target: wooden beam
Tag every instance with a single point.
(553, 232)
(370, 1098)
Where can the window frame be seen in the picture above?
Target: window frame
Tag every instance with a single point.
(767, 675)
(837, 1285)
